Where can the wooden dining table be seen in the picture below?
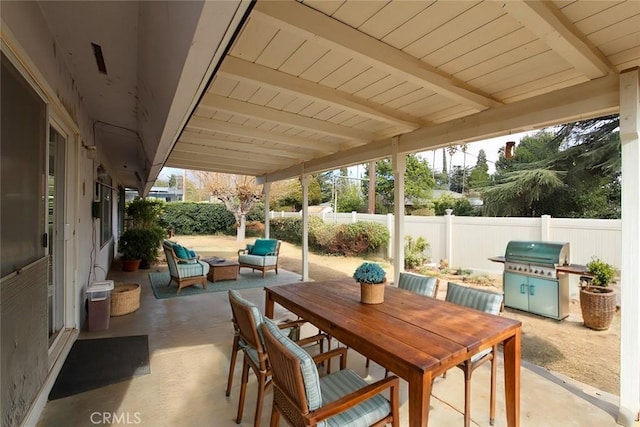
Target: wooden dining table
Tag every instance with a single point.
(413, 336)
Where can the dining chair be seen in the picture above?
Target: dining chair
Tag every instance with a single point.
(246, 319)
(416, 283)
(489, 302)
(339, 399)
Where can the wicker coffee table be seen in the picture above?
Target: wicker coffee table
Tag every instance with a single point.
(221, 269)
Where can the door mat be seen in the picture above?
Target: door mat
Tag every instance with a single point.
(99, 362)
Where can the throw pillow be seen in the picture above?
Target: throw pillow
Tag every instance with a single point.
(264, 246)
(180, 251)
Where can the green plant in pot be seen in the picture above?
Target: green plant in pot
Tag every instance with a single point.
(141, 245)
(372, 279)
(597, 298)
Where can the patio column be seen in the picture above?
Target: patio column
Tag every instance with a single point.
(266, 189)
(630, 268)
(304, 180)
(399, 165)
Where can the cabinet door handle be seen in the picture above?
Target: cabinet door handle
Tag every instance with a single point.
(532, 290)
(522, 290)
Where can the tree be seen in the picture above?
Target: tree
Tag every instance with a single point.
(458, 179)
(289, 194)
(173, 180)
(479, 175)
(238, 193)
(350, 199)
(573, 172)
(418, 180)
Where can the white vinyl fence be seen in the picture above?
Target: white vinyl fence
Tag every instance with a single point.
(468, 242)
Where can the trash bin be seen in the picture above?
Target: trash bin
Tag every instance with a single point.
(99, 296)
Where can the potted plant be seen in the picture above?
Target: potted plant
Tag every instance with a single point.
(139, 245)
(372, 279)
(597, 299)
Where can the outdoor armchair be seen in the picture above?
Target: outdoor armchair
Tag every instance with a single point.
(262, 255)
(489, 302)
(335, 400)
(185, 268)
(246, 321)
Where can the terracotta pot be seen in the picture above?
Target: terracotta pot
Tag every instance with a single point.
(372, 293)
(130, 265)
(598, 308)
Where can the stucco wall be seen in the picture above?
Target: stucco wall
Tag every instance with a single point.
(27, 40)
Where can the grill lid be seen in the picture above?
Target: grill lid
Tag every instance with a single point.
(549, 253)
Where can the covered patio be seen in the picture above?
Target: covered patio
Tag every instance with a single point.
(276, 90)
(190, 342)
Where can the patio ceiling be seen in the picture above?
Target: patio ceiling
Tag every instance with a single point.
(317, 85)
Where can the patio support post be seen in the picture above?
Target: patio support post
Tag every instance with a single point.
(266, 189)
(630, 268)
(399, 165)
(304, 180)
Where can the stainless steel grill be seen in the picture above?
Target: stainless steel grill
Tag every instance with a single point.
(533, 280)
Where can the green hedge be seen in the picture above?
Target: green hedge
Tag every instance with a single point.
(347, 239)
(197, 218)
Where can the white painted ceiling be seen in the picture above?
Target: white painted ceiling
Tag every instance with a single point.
(316, 85)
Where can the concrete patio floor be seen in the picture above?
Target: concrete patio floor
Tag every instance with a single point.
(189, 345)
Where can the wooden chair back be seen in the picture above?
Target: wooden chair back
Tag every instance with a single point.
(247, 317)
(286, 371)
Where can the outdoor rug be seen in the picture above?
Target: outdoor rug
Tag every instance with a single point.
(99, 362)
(246, 280)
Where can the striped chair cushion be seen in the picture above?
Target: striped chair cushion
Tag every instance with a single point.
(339, 384)
(198, 268)
(417, 283)
(307, 365)
(259, 260)
(486, 301)
(255, 311)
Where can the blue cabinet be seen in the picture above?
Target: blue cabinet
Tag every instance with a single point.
(546, 297)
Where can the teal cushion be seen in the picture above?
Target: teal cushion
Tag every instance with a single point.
(192, 254)
(264, 247)
(180, 251)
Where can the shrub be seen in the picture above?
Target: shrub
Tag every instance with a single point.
(346, 239)
(288, 229)
(414, 252)
(197, 218)
(254, 229)
(144, 213)
(141, 243)
(603, 273)
(256, 213)
(361, 237)
(423, 212)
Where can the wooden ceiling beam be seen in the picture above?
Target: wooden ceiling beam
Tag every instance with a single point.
(211, 101)
(547, 22)
(211, 125)
(303, 20)
(208, 167)
(595, 98)
(219, 155)
(239, 69)
(197, 142)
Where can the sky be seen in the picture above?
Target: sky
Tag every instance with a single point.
(490, 146)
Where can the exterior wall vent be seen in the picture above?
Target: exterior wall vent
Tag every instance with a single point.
(97, 52)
